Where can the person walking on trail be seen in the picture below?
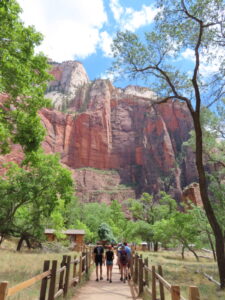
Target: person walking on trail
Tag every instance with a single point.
(98, 256)
(109, 263)
(123, 260)
(129, 257)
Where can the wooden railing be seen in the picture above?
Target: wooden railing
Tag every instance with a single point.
(54, 281)
(148, 280)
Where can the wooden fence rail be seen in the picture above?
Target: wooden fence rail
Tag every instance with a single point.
(54, 283)
(148, 280)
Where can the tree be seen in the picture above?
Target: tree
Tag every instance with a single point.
(201, 222)
(105, 233)
(117, 221)
(178, 229)
(141, 231)
(23, 81)
(149, 211)
(29, 196)
(198, 27)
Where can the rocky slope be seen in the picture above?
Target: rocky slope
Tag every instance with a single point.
(119, 142)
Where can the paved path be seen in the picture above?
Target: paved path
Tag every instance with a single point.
(103, 290)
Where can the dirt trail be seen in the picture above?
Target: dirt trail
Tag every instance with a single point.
(103, 290)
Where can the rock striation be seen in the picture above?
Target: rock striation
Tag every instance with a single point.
(96, 126)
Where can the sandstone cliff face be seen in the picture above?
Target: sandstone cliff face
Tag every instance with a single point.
(107, 128)
(69, 76)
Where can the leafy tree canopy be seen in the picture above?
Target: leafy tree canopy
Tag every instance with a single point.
(28, 196)
(23, 81)
(105, 233)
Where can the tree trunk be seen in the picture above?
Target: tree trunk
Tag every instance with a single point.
(211, 244)
(156, 246)
(182, 252)
(26, 238)
(193, 251)
(20, 243)
(220, 253)
(1, 239)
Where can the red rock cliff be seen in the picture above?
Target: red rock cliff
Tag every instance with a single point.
(105, 127)
(117, 142)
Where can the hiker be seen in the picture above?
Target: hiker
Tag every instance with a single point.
(129, 258)
(117, 253)
(109, 262)
(98, 257)
(123, 260)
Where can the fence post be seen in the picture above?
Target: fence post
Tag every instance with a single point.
(161, 287)
(132, 266)
(44, 281)
(74, 268)
(61, 276)
(51, 292)
(153, 283)
(146, 272)
(3, 289)
(193, 293)
(80, 268)
(86, 260)
(89, 257)
(140, 279)
(67, 277)
(136, 268)
(83, 260)
(175, 292)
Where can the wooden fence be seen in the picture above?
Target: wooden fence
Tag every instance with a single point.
(54, 281)
(152, 283)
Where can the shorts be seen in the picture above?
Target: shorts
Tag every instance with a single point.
(98, 262)
(109, 263)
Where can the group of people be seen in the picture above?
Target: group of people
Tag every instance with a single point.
(102, 257)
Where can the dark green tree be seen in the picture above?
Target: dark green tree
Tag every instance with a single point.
(29, 196)
(196, 26)
(105, 233)
(148, 211)
(23, 81)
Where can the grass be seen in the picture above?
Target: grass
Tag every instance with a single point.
(101, 171)
(17, 267)
(188, 272)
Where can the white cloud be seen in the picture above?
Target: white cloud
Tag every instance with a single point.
(136, 19)
(117, 9)
(210, 59)
(130, 19)
(106, 43)
(188, 54)
(112, 76)
(71, 28)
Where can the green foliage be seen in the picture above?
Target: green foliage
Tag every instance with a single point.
(105, 233)
(23, 79)
(179, 229)
(141, 231)
(30, 196)
(179, 25)
(146, 212)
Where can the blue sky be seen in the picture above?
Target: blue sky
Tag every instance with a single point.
(83, 30)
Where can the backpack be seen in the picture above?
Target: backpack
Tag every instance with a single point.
(123, 257)
(99, 251)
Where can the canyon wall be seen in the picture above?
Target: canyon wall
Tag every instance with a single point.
(118, 142)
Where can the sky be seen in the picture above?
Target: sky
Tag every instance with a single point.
(83, 30)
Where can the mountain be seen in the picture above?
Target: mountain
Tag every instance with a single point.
(118, 142)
